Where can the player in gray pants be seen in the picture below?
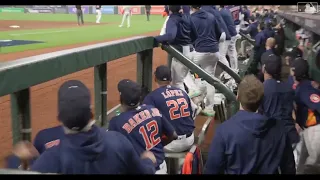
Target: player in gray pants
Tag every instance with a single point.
(79, 14)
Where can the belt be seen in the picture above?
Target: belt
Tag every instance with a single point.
(184, 136)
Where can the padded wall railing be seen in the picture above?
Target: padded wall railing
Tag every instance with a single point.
(18, 76)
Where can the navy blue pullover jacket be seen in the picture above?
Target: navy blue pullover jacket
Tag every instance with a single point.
(227, 17)
(206, 32)
(250, 143)
(178, 30)
(93, 152)
(219, 19)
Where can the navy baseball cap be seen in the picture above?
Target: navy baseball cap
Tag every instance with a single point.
(163, 73)
(74, 105)
(300, 67)
(272, 64)
(130, 92)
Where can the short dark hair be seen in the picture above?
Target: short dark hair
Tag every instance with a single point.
(175, 8)
(250, 93)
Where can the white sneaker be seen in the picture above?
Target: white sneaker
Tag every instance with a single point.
(120, 25)
(98, 22)
(128, 26)
(208, 111)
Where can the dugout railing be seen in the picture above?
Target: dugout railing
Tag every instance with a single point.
(19, 75)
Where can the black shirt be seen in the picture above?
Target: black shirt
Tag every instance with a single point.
(98, 7)
(148, 7)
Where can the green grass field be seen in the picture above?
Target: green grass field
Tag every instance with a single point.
(66, 36)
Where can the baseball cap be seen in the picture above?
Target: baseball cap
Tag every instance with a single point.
(130, 92)
(163, 73)
(74, 105)
(272, 64)
(293, 54)
(300, 67)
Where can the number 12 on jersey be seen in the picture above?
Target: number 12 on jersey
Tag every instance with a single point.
(150, 141)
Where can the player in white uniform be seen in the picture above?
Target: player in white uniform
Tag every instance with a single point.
(98, 11)
(126, 15)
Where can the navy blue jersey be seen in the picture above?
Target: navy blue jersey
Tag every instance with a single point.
(144, 127)
(307, 99)
(44, 140)
(278, 104)
(175, 106)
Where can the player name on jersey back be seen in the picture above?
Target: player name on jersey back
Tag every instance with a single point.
(140, 117)
(171, 93)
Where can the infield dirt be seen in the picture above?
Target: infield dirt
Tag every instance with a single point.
(44, 96)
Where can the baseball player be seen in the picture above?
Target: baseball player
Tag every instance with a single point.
(79, 15)
(44, 140)
(148, 9)
(127, 13)
(230, 45)
(175, 105)
(178, 29)
(206, 44)
(236, 15)
(143, 125)
(86, 148)
(98, 11)
(165, 14)
(250, 143)
(225, 35)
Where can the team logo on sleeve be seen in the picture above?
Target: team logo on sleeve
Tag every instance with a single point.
(314, 98)
(52, 143)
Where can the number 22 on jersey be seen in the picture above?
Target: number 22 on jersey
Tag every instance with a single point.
(180, 105)
(153, 128)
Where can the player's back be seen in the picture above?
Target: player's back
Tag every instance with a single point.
(205, 26)
(143, 126)
(235, 11)
(175, 105)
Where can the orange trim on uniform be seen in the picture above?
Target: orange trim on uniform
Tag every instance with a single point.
(187, 165)
(311, 120)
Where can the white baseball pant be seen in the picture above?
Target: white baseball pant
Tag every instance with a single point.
(179, 71)
(310, 148)
(182, 144)
(126, 15)
(163, 168)
(222, 50)
(230, 49)
(208, 62)
(98, 17)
